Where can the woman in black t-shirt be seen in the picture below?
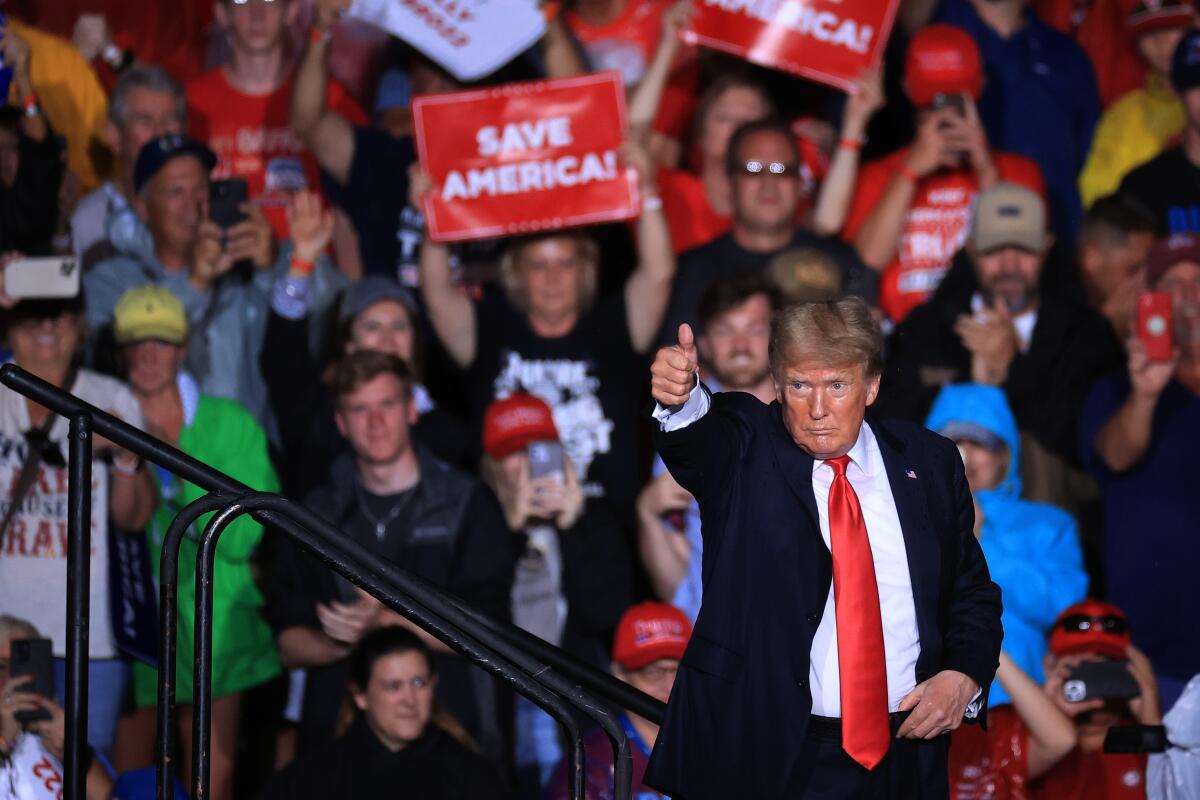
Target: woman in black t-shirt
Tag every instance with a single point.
(548, 336)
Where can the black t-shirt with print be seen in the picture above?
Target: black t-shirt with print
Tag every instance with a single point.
(1168, 185)
(590, 378)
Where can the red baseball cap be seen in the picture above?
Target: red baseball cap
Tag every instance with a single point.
(1168, 252)
(512, 423)
(1146, 16)
(1091, 626)
(942, 59)
(648, 632)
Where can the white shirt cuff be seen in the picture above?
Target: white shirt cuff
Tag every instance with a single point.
(674, 418)
(975, 706)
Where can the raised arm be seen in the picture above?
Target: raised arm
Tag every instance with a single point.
(451, 312)
(649, 287)
(1051, 732)
(559, 51)
(644, 100)
(1123, 440)
(833, 200)
(328, 134)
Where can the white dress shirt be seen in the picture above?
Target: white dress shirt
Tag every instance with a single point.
(901, 640)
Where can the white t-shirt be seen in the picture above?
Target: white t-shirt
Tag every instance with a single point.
(33, 553)
(31, 772)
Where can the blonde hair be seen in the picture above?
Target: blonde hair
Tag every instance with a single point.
(585, 249)
(16, 628)
(838, 333)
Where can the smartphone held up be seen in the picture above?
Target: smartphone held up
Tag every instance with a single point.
(1154, 327)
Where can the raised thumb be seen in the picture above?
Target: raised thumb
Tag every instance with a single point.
(687, 342)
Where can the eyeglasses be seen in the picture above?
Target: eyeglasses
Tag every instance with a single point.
(1080, 623)
(776, 168)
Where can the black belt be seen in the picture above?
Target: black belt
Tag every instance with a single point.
(830, 728)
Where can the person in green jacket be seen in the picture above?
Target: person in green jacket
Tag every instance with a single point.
(151, 330)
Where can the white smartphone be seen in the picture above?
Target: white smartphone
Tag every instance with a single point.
(56, 276)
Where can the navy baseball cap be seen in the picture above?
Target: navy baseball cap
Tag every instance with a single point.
(1185, 63)
(157, 153)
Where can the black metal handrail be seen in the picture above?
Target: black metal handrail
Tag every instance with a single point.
(506, 652)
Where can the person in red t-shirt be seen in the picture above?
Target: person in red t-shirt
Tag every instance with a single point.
(625, 35)
(911, 209)
(240, 110)
(1096, 631)
(1023, 741)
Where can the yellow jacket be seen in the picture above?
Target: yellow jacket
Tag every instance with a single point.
(71, 97)
(1133, 130)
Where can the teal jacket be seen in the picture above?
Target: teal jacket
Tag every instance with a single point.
(1032, 549)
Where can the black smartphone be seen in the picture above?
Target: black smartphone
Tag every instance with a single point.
(1106, 680)
(33, 657)
(225, 199)
(952, 100)
(1136, 739)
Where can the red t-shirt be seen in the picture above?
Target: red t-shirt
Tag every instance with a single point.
(692, 220)
(935, 227)
(991, 764)
(1099, 776)
(252, 139)
(627, 44)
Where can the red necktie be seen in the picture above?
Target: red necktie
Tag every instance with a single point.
(866, 733)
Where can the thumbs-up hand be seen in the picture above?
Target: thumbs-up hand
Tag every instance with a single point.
(673, 373)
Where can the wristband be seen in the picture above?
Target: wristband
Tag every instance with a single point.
(127, 469)
(908, 175)
(851, 144)
(300, 265)
(28, 102)
(318, 36)
(652, 203)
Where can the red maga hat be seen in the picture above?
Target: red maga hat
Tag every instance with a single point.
(511, 424)
(649, 632)
(942, 59)
(1091, 626)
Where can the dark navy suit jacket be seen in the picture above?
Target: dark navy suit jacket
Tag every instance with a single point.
(739, 711)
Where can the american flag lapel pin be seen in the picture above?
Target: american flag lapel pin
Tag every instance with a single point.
(912, 476)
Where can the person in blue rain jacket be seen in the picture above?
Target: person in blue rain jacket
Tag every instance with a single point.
(1032, 549)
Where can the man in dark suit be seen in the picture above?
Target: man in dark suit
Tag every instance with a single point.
(849, 622)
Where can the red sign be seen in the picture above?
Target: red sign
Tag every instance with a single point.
(831, 41)
(524, 157)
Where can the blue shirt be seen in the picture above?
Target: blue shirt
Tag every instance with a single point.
(1039, 100)
(1152, 524)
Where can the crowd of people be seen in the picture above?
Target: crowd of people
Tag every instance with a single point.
(1008, 195)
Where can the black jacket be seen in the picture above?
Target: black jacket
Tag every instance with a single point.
(457, 541)
(29, 209)
(739, 710)
(435, 767)
(1071, 348)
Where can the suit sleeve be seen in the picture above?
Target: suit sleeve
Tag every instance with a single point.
(703, 455)
(971, 643)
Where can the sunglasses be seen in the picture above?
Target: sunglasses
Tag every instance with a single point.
(776, 168)
(1081, 623)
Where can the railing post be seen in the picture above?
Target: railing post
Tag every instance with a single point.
(79, 566)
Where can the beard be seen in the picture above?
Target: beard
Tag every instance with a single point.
(741, 371)
(1017, 295)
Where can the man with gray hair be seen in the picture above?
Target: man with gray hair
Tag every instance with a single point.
(145, 103)
(849, 622)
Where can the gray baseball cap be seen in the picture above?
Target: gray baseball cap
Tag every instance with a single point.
(370, 290)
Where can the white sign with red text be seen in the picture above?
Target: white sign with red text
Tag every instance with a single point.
(469, 38)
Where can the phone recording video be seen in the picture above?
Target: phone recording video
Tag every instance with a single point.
(1154, 327)
(225, 200)
(33, 657)
(546, 461)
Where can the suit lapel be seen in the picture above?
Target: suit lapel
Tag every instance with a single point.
(796, 466)
(920, 540)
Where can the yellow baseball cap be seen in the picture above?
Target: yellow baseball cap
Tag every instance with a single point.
(149, 312)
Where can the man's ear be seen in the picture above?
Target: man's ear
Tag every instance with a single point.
(221, 14)
(873, 388)
(139, 205)
(704, 348)
(113, 134)
(341, 424)
(360, 698)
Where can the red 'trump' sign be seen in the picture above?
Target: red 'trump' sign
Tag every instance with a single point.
(831, 41)
(524, 157)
